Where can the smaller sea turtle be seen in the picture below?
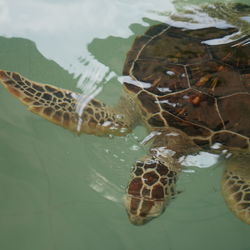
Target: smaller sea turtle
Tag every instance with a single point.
(189, 95)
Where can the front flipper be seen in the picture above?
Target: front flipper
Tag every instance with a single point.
(54, 104)
(236, 185)
(63, 107)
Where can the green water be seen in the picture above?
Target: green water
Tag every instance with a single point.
(63, 191)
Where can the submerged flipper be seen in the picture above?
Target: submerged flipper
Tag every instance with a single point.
(63, 107)
(236, 186)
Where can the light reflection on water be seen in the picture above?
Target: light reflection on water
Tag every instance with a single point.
(201, 160)
(61, 29)
(105, 187)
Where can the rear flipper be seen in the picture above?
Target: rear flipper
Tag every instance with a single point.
(236, 186)
(63, 107)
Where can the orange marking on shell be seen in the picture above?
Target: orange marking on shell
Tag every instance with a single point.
(226, 56)
(221, 68)
(155, 82)
(195, 100)
(182, 111)
(148, 77)
(203, 80)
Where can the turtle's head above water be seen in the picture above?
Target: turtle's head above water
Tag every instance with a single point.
(141, 210)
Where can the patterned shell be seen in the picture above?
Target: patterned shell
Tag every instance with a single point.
(182, 82)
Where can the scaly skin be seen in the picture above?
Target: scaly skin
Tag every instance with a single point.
(153, 178)
(63, 107)
(236, 185)
(151, 186)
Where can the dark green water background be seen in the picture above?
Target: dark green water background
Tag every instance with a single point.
(63, 191)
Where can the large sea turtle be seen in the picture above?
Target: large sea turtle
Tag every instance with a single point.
(190, 96)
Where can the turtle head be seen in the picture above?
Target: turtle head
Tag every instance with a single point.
(141, 210)
(151, 186)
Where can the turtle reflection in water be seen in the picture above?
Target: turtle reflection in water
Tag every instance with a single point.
(189, 95)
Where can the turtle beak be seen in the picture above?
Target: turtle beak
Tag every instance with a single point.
(138, 220)
(141, 210)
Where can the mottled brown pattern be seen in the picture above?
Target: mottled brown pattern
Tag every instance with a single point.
(202, 143)
(230, 140)
(235, 188)
(235, 111)
(138, 171)
(66, 119)
(156, 121)
(59, 106)
(48, 111)
(146, 192)
(49, 88)
(215, 78)
(168, 46)
(247, 196)
(161, 76)
(152, 182)
(132, 87)
(152, 163)
(238, 196)
(148, 102)
(156, 29)
(135, 186)
(244, 205)
(131, 55)
(16, 77)
(146, 207)
(162, 169)
(150, 178)
(158, 192)
(187, 127)
(211, 33)
(203, 113)
(246, 79)
(192, 81)
(58, 116)
(38, 87)
(134, 205)
(235, 53)
(164, 181)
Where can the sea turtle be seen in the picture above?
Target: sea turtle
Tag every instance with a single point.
(190, 95)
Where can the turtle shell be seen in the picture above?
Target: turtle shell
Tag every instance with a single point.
(183, 82)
